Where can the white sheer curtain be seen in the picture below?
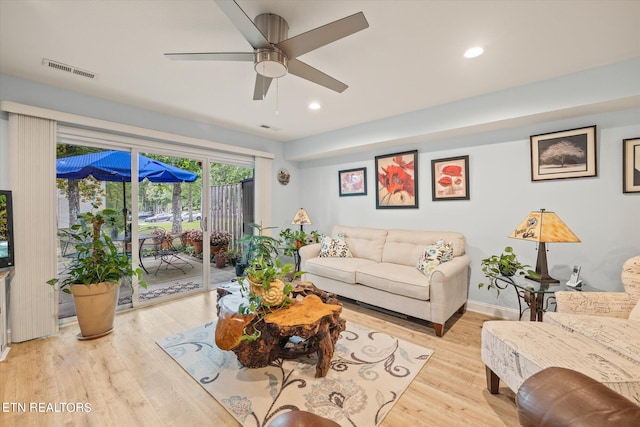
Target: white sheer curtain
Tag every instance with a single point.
(32, 163)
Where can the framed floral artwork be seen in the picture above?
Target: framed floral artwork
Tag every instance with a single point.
(397, 180)
(352, 182)
(631, 165)
(450, 178)
(565, 154)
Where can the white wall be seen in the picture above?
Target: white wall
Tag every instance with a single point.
(502, 194)
(501, 189)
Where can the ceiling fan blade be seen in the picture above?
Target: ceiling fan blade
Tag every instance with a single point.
(246, 26)
(307, 72)
(318, 37)
(261, 88)
(212, 56)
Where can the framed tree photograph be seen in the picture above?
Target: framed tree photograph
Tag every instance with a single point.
(352, 182)
(566, 154)
(631, 165)
(450, 178)
(397, 180)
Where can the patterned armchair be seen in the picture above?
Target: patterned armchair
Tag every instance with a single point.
(610, 304)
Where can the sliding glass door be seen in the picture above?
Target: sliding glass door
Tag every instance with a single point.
(170, 227)
(180, 218)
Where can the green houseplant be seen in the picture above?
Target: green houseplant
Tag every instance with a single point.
(95, 273)
(294, 240)
(257, 246)
(505, 264)
(267, 287)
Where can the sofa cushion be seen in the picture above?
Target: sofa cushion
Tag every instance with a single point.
(363, 242)
(333, 247)
(406, 246)
(619, 335)
(342, 269)
(394, 278)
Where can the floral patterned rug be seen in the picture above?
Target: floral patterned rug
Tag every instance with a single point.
(369, 372)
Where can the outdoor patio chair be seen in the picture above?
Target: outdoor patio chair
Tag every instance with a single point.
(169, 255)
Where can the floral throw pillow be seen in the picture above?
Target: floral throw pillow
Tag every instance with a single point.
(334, 247)
(433, 256)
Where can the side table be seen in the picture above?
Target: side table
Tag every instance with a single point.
(536, 296)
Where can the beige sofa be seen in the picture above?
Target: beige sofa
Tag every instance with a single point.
(383, 273)
(595, 333)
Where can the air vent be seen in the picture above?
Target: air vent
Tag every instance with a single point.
(68, 68)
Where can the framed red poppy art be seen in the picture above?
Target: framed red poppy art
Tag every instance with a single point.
(397, 180)
(450, 178)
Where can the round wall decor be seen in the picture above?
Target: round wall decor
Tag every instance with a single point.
(283, 176)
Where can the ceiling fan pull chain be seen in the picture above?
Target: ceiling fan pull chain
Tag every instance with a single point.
(277, 95)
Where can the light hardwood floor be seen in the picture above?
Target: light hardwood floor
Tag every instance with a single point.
(129, 381)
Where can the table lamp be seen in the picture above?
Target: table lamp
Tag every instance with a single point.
(543, 227)
(301, 218)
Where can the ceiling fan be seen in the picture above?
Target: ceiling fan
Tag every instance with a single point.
(274, 55)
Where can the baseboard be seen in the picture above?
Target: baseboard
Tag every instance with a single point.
(4, 353)
(493, 310)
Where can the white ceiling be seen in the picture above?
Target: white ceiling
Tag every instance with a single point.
(409, 58)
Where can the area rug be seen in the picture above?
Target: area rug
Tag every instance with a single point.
(161, 292)
(369, 372)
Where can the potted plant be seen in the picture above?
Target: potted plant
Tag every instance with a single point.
(220, 258)
(94, 275)
(196, 240)
(232, 255)
(163, 238)
(506, 264)
(185, 238)
(258, 246)
(267, 287)
(294, 240)
(219, 241)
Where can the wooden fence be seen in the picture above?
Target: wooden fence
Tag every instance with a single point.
(226, 210)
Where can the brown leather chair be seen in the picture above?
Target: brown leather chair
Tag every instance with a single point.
(301, 419)
(559, 397)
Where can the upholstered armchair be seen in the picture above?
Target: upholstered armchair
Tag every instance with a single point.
(610, 304)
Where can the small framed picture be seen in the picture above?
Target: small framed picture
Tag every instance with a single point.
(631, 165)
(352, 182)
(397, 180)
(566, 154)
(450, 178)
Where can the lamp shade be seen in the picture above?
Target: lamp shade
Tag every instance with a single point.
(544, 227)
(301, 218)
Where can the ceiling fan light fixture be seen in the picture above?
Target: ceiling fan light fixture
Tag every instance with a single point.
(271, 63)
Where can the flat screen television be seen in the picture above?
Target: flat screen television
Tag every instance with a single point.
(6, 230)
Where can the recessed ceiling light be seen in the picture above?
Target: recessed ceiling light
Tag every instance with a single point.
(474, 52)
(314, 106)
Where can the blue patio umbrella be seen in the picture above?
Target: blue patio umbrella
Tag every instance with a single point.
(115, 166)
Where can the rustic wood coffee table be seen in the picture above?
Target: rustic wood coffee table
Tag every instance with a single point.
(311, 324)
